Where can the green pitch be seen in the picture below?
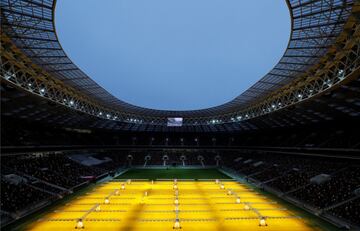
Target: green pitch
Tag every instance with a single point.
(173, 173)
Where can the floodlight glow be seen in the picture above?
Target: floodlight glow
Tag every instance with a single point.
(79, 224)
(177, 224)
(262, 222)
(176, 201)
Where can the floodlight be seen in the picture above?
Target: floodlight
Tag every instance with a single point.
(262, 222)
(177, 224)
(176, 201)
(79, 224)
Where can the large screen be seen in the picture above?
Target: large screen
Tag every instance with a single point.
(175, 122)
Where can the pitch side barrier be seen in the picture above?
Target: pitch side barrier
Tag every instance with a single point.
(126, 180)
(171, 167)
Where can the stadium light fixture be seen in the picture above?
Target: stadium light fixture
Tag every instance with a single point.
(341, 74)
(262, 222)
(177, 224)
(79, 224)
(9, 75)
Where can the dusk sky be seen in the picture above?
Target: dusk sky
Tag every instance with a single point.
(174, 54)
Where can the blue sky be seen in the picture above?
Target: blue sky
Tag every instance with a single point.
(174, 54)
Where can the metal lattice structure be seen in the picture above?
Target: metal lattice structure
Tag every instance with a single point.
(323, 52)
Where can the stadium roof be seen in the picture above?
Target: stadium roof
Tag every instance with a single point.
(315, 26)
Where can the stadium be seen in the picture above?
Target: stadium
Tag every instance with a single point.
(282, 155)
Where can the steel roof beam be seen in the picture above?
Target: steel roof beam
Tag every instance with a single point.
(26, 14)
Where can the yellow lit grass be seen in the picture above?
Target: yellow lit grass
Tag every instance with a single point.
(203, 206)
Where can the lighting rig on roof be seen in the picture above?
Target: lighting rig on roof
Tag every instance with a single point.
(309, 70)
